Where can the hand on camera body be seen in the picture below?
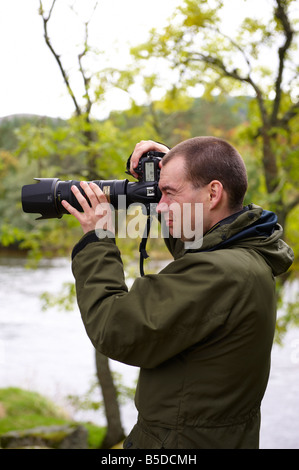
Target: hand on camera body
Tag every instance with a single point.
(143, 147)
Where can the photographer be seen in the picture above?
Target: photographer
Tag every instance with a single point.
(202, 329)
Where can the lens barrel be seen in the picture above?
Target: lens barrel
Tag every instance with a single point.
(45, 196)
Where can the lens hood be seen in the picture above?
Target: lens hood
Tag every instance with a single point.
(40, 198)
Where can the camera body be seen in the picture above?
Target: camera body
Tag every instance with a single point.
(148, 168)
(45, 197)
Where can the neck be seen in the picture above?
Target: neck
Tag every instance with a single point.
(225, 219)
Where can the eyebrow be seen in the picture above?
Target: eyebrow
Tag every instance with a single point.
(167, 187)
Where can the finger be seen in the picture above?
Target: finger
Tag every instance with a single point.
(94, 194)
(140, 149)
(80, 198)
(90, 194)
(143, 147)
(98, 192)
(71, 209)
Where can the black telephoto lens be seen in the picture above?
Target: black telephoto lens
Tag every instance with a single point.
(45, 196)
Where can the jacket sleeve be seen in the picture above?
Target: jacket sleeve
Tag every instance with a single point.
(159, 317)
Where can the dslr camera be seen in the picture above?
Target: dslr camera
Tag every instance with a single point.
(45, 196)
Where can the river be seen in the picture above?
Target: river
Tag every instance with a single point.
(49, 352)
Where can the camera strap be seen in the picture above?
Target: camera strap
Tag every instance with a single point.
(142, 246)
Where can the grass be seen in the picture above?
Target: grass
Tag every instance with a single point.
(21, 409)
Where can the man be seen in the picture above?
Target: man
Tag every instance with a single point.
(202, 329)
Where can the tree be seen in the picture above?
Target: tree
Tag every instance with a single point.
(83, 107)
(201, 54)
(259, 59)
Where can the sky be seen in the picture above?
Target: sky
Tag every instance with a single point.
(30, 80)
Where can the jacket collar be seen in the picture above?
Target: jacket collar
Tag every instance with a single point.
(251, 221)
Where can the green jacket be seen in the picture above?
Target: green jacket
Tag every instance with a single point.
(201, 330)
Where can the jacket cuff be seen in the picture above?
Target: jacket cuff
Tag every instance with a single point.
(91, 237)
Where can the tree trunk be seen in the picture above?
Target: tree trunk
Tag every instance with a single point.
(114, 429)
(92, 156)
(115, 433)
(269, 162)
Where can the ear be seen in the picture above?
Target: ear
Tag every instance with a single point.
(216, 193)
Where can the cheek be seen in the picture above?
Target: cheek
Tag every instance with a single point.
(176, 211)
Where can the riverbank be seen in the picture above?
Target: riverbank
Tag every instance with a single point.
(22, 410)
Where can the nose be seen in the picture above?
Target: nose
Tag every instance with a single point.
(162, 207)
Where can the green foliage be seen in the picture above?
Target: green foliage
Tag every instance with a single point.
(59, 149)
(65, 299)
(292, 236)
(91, 400)
(23, 409)
(243, 99)
(65, 149)
(258, 58)
(289, 319)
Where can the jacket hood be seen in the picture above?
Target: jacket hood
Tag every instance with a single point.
(252, 228)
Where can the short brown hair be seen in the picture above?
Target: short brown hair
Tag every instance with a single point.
(211, 158)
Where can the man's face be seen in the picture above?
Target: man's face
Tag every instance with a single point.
(179, 203)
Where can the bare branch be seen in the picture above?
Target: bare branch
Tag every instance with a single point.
(292, 204)
(51, 9)
(86, 79)
(281, 16)
(219, 64)
(292, 112)
(56, 56)
(234, 44)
